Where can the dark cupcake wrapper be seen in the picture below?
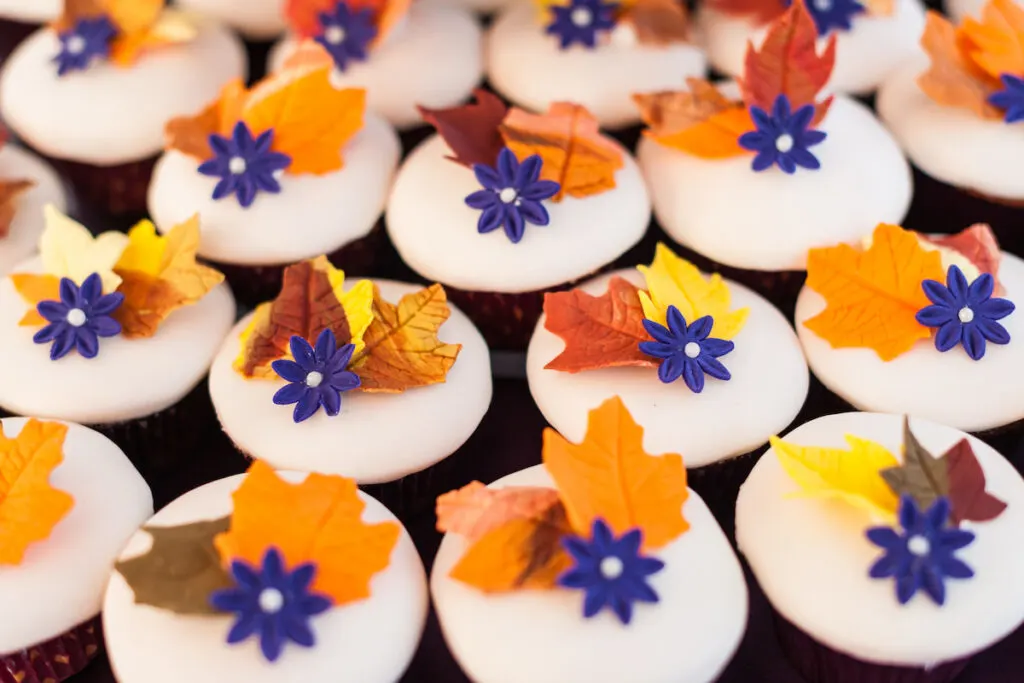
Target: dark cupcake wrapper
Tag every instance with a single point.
(818, 663)
(12, 33)
(718, 485)
(56, 659)
(506, 320)
(103, 192)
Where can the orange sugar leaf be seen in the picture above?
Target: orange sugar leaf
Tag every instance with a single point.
(702, 121)
(566, 138)
(191, 134)
(308, 55)
(873, 295)
(10, 192)
(599, 331)
(29, 507)
(34, 288)
(996, 43)
(879, 8)
(610, 476)
(760, 12)
(318, 521)
(952, 80)
(133, 16)
(388, 16)
(658, 22)
(302, 15)
(475, 510)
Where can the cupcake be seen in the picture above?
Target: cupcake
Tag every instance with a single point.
(916, 324)
(751, 183)
(595, 566)
(503, 205)
(957, 115)
(115, 332)
(889, 550)
(707, 367)
(872, 39)
(592, 52)
(483, 7)
(403, 53)
(20, 18)
(267, 577)
(69, 501)
(353, 378)
(92, 92)
(288, 170)
(256, 20)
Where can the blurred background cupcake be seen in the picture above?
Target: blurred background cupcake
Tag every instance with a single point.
(259, 22)
(20, 18)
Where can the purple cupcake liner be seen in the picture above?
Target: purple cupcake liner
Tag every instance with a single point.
(107, 191)
(56, 659)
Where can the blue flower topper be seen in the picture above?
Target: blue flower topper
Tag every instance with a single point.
(512, 195)
(832, 15)
(246, 165)
(965, 314)
(79, 319)
(783, 137)
(581, 22)
(85, 43)
(1010, 99)
(686, 351)
(346, 34)
(317, 377)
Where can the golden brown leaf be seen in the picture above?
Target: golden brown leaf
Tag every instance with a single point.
(701, 121)
(952, 80)
(658, 22)
(10, 192)
(475, 510)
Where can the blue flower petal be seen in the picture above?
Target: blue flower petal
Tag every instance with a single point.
(331, 400)
(491, 219)
(533, 212)
(693, 376)
(935, 315)
(290, 393)
(948, 336)
(712, 366)
(957, 284)
(482, 199)
(302, 352)
(981, 289)
(306, 406)
(487, 177)
(53, 311)
(973, 342)
(289, 371)
(995, 309)
(992, 331)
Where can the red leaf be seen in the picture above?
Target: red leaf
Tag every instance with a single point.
(967, 495)
(978, 245)
(760, 12)
(471, 130)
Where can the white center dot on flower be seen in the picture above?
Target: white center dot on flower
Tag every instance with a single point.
(508, 195)
(822, 5)
(335, 35)
(271, 601)
(237, 165)
(784, 142)
(76, 45)
(611, 567)
(918, 545)
(692, 349)
(314, 379)
(76, 317)
(581, 17)
(965, 314)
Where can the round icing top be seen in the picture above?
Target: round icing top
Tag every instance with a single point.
(527, 66)
(435, 232)
(370, 641)
(435, 61)
(950, 143)
(255, 19)
(482, 6)
(22, 239)
(811, 557)
(312, 215)
(865, 56)
(948, 387)
(61, 581)
(768, 220)
(108, 115)
(130, 378)
(377, 437)
(31, 11)
(768, 387)
(540, 635)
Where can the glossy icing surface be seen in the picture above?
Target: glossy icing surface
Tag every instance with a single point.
(255, 19)
(30, 11)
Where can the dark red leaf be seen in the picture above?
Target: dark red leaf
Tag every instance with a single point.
(967, 495)
(471, 130)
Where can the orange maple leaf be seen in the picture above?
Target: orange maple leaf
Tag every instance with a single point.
(598, 331)
(475, 510)
(873, 295)
(29, 507)
(303, 15)
(566, 138)
(702, 121)
(996, 43)
(759, 12)
(610, 476)
(191, 134)
(141, 25)
(952, 78)
(318, 521)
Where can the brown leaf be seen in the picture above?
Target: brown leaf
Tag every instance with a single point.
(475, 510)
(658, 22)
(598, 331)
(967, 495)
(10, 191)
(759, 12)
(471, 130)
(978, 245)
(952, 80)
(921, 475)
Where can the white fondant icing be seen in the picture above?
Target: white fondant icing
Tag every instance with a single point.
(527, 66)
(531, 636)
(312, 215)
(950, 143)
(128, 379)
(768, 387)
(947, 387)
(435, 62)
(22, 240)
(377, 437)
(811, 556)
(865, 56)
(481, 6)
(61, 581)
(370, 641)
(768, 220)
(255, 19)
(435, 232)
(108, 115)
(30, 11)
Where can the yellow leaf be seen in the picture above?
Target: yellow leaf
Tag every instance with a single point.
(69, 250)
(674, 281)
(851, 475)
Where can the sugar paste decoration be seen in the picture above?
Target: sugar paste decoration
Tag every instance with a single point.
(11, 191)
(683, 323)
(592, 24)
(612, 507)
(294, 122)
(109, 285)
(581, 22)
(322, 340)
(921, 503)
(777, 114)
(346, 31)
(978, 65)
(118, 31)
(269, 564)
(30, 508)
(896, 290)
(522, 159)
(830, 16)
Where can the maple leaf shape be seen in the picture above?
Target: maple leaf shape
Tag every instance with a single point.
(701, 121)
(996, 43)
(850, 475)
(788, 64)
(159, 275)
(610, 476)
(180, 570)
(475, 510)
(759, 12)
(921, 475)
(191, 134)
(471, 131)
(977, 244)
(141, 25)
(872, 296)
(401, 349)
(566, 138)
(302, 15)
(312, 299)
(967, 495)
(29, 507)
(952, 79)
(318, 521)
(657, 22)
(10, 192)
